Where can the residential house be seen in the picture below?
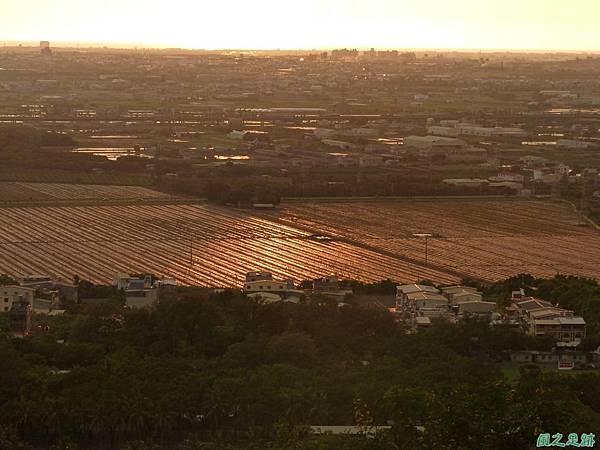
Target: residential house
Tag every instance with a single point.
(542, 318)
(19, 318)
(10, 295)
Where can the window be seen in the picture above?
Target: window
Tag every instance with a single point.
(6, 308)
(5, 300)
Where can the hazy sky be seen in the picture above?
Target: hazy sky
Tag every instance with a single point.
(286, 24)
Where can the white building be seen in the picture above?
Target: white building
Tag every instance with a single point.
(573, 144)
(476, 130)
(428, 300)
(268, 286)
(121, 280)
(403, 290)
(140, 292)
(443, 131)
(464, 293)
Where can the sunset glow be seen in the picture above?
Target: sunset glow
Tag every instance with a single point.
(272, 24)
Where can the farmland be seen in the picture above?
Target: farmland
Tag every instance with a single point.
(47, 192)
(198, 244)
(208, 245)
(491, 239)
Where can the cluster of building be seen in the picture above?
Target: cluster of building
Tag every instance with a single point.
(261, 284)
(541, 318)
(455, 128)
(34, 293)
(417, 304)
(143, 291)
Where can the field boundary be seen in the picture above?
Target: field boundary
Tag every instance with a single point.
(111, 202)
(587, 219)
(413, 197)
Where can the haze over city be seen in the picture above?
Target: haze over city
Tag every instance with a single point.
(319, 24)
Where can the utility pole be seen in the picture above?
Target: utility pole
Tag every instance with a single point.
(425, 236)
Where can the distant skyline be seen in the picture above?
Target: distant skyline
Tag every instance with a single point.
(311, 24)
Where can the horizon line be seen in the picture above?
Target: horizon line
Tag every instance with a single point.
(151, 46)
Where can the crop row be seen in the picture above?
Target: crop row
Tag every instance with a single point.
(196, 244)
(487, 239)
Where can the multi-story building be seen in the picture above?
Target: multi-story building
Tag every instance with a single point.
(542, 318)
(141, 292)
(268, 286)
(258, 275)
(10, 295)
(19, 318)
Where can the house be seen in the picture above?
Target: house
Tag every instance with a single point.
(330, 283)
(10, 295)
(466, 296)
(476, 307)
(428, 300)
(37, 281)
(121, 281)
(259, 275)
(166, 285)
(542, 318)
(141, 292)
(44, 284)
(422, 322)
(19, 318)
(443, 131)
(540, 357)
(572, 144)
(403, 290)
(460, 294)
(566, 330)
(268, 286)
